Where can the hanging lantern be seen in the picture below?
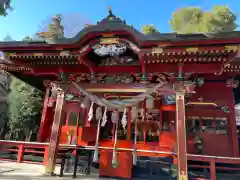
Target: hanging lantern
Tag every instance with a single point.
(85, 102)
(90, 113)
(134, 113)
(104, 118)
(114, 157)
(150, 103)
(115, 117)
(124, 119)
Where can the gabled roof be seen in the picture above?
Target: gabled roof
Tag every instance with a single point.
(113, 23)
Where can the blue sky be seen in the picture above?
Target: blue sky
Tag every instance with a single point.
(28, 15)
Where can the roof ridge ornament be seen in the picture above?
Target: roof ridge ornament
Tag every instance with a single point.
(111, 18)
(110, 12)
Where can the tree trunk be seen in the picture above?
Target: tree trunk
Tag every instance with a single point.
(29, 136)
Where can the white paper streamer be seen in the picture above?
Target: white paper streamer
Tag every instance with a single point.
(124, 118)
(90, 113)
(104, 118)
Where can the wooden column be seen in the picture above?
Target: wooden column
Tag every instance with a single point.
(212, 170)
(181, 137)
(54, 138)
(44, 114)
(233, 131)
(129, 123)
(145, 121)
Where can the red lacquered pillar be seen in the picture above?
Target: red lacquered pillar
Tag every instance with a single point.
(181, 137)
(54, 138)
(129, 121)
(44, 115)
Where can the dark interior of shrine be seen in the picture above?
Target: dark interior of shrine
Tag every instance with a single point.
(236, 92)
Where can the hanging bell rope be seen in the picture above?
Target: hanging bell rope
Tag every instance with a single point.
(98, 116)
(114, 157)
(134, 113)
(98, 113)
(135, 145)
(150, 103)
(96, 153)
(115, 117)
(104, 118)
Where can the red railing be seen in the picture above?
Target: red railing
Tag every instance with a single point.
(16, 150)
(20, 149)
(212, 160)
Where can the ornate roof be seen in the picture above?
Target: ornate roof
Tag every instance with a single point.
(112, 23)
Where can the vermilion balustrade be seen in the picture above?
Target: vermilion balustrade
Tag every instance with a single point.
(21, 148)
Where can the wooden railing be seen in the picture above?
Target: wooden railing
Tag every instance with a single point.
(19, 149)
(212, 160)
(16, 150)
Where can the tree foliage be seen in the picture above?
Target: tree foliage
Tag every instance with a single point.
(27, 38)
(196, 20)
(25, 103)
(5, 5)
(73, 23)
(149, 29)
(5, 81)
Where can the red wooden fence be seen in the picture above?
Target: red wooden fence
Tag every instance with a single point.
(20, 148)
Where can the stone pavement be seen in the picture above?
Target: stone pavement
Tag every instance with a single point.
(23, 171)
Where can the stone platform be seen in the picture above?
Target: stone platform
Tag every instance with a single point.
(24, 171)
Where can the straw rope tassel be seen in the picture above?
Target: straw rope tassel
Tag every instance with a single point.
(114, 157)
(95, 155)
(134, 145)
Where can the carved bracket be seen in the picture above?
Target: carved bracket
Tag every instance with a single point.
(232, 83)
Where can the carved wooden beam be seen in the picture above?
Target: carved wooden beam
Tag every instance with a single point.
(84, 60)
(195, 68)
(114, 88)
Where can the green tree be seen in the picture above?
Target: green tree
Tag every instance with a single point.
(196, 20)
(149, 29)
(5, 5)
(5, 81)
(25, 103)
(27, 38)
